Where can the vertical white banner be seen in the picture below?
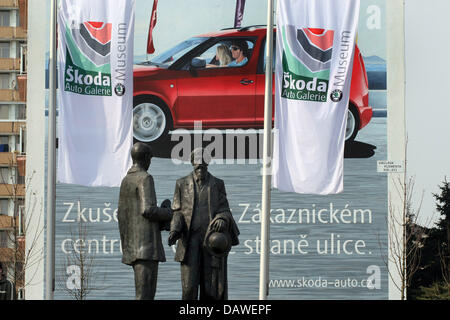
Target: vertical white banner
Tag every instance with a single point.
(95, 61)
(315, 46)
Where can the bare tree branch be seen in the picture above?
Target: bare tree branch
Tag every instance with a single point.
(405, 237)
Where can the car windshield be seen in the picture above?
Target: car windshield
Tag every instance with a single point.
(168, 57)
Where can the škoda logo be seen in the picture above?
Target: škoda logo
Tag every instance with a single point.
(306, 63)
(88, 59)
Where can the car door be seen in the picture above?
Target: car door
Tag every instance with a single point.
(220, 97)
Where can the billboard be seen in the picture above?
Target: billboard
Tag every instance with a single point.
(322, 247)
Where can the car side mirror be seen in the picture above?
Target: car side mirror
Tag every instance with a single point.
(197, 63)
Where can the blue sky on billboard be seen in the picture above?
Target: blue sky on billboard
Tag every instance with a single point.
(180, 19)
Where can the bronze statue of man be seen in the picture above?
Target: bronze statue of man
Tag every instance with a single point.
(205, 230)
(140, 222)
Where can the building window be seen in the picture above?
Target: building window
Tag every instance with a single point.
(4, 206)
(19, 207)
(4, 49)
(18, 21)
(4, 112)
(4, 144)
(23, 56)
(21, 294)
(19, 179)
(22, 112)
(4, 176)
(4, 18)
(4, 81)
(3, 239)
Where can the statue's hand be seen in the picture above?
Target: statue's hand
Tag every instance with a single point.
(173, 237)
(150, 212)
(219, 225)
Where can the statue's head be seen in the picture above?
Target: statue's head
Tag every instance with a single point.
(200, 161)
(141, 154)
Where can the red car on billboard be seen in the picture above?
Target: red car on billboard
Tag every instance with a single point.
(185, 84)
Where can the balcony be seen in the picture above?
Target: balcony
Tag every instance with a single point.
(6, 222)
(11, 127)
(13, 33)
(13, 159)
(9, 64)
(12, 191)
(8, 159)
(9, 95)
(9, 4)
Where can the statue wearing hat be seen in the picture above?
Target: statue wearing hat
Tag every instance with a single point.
(205, 229)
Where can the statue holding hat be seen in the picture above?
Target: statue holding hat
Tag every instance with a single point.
(205, 229)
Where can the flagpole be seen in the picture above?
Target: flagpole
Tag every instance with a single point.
(267, 156)
(51, 162)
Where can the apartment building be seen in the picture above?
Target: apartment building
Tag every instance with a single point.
(13, 83)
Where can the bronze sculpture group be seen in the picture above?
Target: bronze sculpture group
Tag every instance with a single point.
(199, 220)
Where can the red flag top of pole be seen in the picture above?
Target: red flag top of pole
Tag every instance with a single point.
(239, 13)
(150, 47)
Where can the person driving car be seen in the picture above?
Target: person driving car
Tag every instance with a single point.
(238, 51)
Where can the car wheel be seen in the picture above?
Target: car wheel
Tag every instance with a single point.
(151, 120)
(352, 124)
